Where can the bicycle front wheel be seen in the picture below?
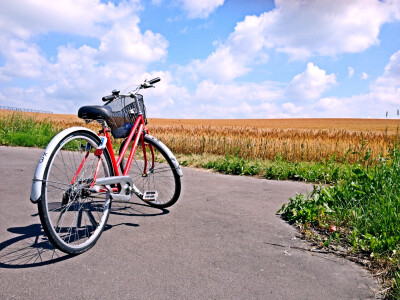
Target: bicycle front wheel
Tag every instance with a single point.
(72, 215)
(152, 171)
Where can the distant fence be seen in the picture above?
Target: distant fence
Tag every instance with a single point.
(25, 109)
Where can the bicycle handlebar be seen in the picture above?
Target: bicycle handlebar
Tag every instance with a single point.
(108, 98)
(154, 80)
(145, 85)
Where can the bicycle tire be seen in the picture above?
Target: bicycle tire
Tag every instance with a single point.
(163, 177)
(73, 218)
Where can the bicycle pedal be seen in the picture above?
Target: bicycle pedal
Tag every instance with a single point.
(150, 196)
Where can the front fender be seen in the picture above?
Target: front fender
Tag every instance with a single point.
(167, 151)
(36, 191)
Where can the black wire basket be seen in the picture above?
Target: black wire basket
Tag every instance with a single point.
(124, 114)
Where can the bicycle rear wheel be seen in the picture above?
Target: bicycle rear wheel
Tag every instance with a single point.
(73, 216)
(155, 173)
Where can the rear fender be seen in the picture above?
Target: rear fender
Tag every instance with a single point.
(36, 191)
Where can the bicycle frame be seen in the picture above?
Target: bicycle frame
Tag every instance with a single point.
(137, 127)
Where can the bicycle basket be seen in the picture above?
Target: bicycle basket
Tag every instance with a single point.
(124, 114)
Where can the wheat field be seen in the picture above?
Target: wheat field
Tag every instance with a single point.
(290, 139)
(303, 141)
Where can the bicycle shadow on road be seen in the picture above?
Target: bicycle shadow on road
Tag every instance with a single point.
(31, 248)
(135, 209)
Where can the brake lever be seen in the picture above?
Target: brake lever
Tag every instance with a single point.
(147, 85)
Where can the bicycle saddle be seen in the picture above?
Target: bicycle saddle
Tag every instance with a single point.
(94, 112)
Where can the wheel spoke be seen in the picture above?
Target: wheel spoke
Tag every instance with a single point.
(161, 177)
(74, 216)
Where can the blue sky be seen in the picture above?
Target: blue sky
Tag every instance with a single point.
(216, 58)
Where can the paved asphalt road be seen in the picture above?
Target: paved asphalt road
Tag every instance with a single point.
(215, 243)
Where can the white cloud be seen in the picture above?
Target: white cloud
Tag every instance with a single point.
(292, 109)
(20, 95)
(125, 42)
(221, 66)
(300, 29)
(324, 27)
(122, 44)
(75, 76)
(250, 100)
(242, 110)
(231, 94)
(25, 19)
(384, 95)
(310, 84)
(364, 76)
(213, 100)
(357, 106)
(195, 8)
(391, 76)
(243, 48)
(387, 87)
(350, 71)
(22, 59)
(200, 9)
(169, 99)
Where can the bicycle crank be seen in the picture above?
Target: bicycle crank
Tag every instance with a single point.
(127, 187)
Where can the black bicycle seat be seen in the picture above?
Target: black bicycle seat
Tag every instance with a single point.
(94, 112)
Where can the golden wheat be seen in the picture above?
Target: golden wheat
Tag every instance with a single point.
(290, 144)
(291, 139)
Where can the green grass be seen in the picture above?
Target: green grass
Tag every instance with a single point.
(365, 208)
(18, 130)
(279, 169)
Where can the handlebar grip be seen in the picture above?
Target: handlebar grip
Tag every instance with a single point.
(108, 98)
(154, 80)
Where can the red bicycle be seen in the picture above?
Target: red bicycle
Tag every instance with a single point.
(78, 176)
